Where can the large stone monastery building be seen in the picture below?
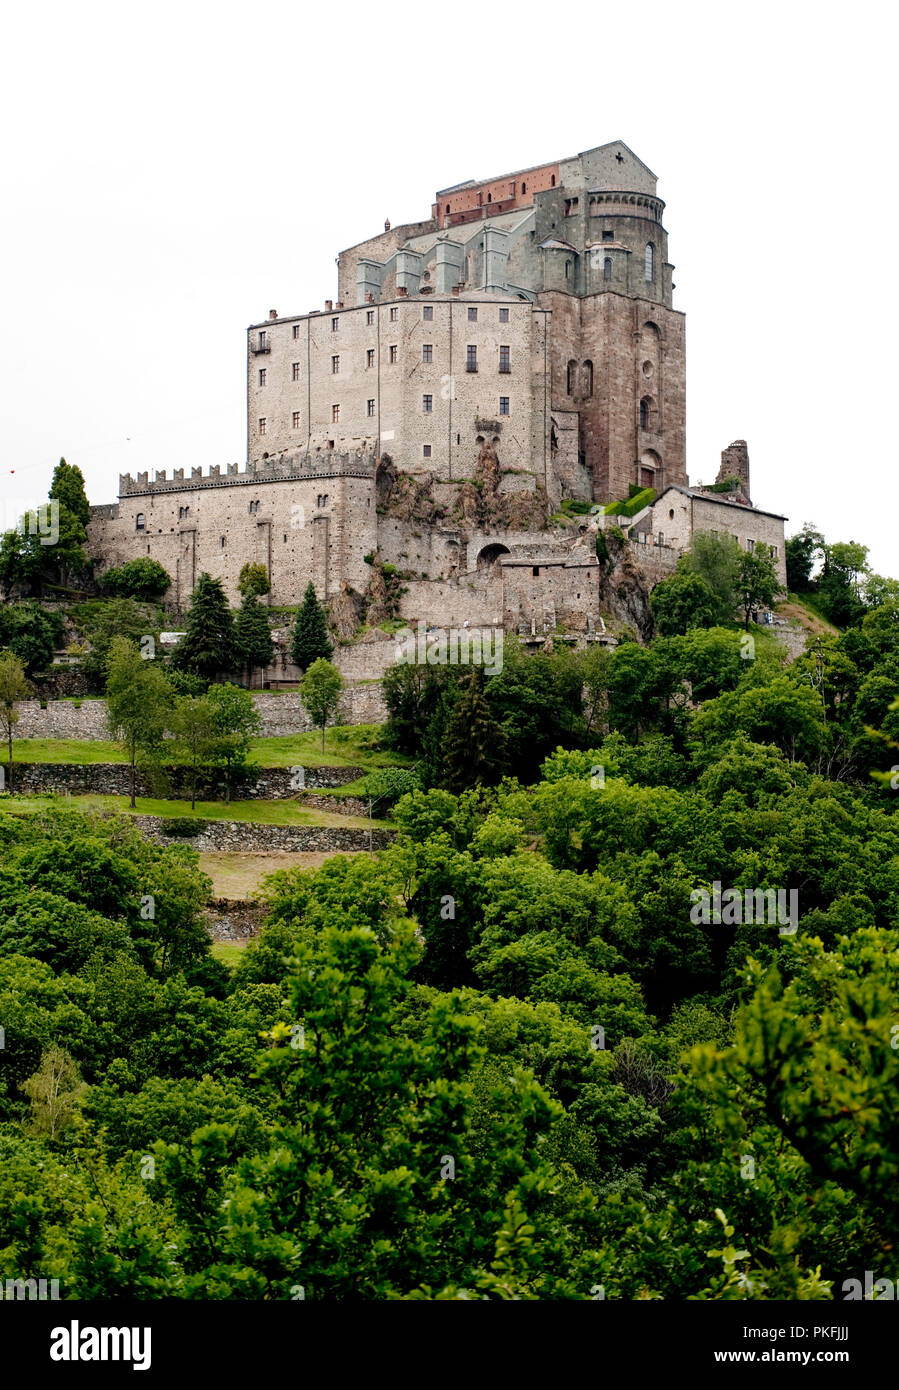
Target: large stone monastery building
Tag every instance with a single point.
(517, 348)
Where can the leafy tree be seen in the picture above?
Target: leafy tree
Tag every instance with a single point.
(253, 580)
(838, 586)
(320, 692)
(32, 632)
(143, 579)
(68, 488)
(235, 719)
(685, 600)
(53, 1090)
(309, 641)
(207, 647)
(13, 689)
(115, 617)
(757, 582)
(138, 702)
(193, 725)
(801, 552)
(43, 552)
(252, 635)
(716, 559)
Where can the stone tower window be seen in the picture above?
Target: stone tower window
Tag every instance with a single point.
(140, 522)
(588, 378)
(471, 358)
(607, 268)
(569, 385)
(606, 234)
(649, 258)
(644, 414)
(335, 365)
(524, 188)
(552, 180)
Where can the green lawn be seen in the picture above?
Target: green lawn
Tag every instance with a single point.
(343, 748)
(228, 952)
(252, 812)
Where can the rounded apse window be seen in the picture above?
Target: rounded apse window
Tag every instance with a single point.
(647, 369)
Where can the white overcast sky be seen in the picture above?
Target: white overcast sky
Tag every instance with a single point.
(173, 172)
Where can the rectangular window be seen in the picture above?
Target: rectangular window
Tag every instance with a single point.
(262, 375)
(427, 352)
(262, 424)
(606, 234)
(504, 405)
(426, 451)
(471, 358)
(262, 338)
(369, 317)
(370, 357)
(427, 404)
(427, 313)
(370, 407)
(335, 365)
(295, 371)
(392, 351)
(504, 316)
(504, 363)
(296, 330)
(394, 314)
(750, 545)
(335, 324)
(472, 316)
(335, 414)
(296, 419)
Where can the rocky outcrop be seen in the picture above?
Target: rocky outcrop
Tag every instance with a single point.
(346, 611)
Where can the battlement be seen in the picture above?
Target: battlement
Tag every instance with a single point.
(284, 467)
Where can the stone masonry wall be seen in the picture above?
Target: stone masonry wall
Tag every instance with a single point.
(243, 836)
(114, 779)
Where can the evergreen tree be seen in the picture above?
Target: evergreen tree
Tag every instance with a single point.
(207, 647)
(474, 740)
(68, 489)
(310, 641)
(252, 634)
(253, 579)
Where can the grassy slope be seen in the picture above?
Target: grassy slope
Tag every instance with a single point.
(804, 612)
(253, 812)
(343, 748)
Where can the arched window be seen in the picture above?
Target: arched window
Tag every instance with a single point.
(489, 197)
(644, 414)
(447, 207)
(567, 269)
(524, 188)
(572, 367)
(588, 378)
(140, 522)
(648, 269)
(552, 180)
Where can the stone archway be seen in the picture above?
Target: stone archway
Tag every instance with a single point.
(488, 556)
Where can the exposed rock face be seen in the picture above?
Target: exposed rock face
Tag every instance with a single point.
(377, 599)
(405, 497)
(488, 469)
(624, 588)
(346, 611)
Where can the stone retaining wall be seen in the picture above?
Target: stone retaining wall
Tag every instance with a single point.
(114, 779)
(241, 835)
(280, 714)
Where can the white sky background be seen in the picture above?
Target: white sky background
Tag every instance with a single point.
(173, 172)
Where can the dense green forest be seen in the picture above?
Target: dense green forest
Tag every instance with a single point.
(501, 1058)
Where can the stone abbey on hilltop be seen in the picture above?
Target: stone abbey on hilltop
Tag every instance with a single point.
(480, 371)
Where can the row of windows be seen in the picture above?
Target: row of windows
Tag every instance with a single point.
(427, 313)
(427, 355)
(427, 405)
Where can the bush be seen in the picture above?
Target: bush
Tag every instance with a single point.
(184, 827)
(634, 504)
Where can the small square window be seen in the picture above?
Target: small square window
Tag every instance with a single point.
(263, 373)
(606, 234)
(394, 314)
(296, 330)
(427, 352)
(504, 316)
(262, 424)
(426, 451)
(335, 414)
(335, 365)
(369, 317)
(391, 352)
(296, 419)
(370, 407)
(427, 313)
(335, 324)
(427, 404)
(295, 371)
(504, 405)
(472, 315)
